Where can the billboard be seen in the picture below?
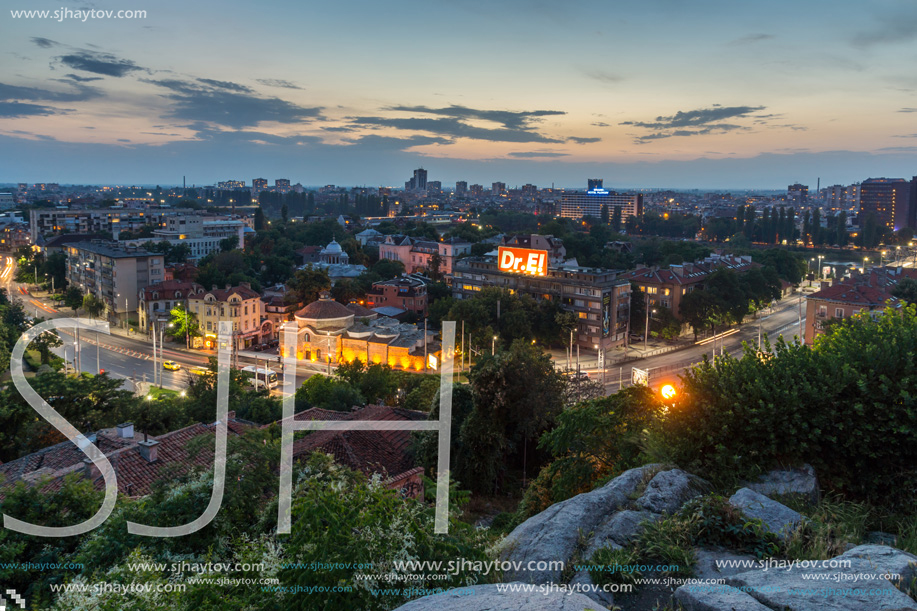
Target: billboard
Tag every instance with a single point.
(606, 314)
(522, 260)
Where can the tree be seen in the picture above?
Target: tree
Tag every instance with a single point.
(906, 289)
(73, 298)
(616, 219)
(230, 243)
(44, 342)
(284, 213)
(436, 262)
(699, 309)
(511, 410)
(592, 441)
(305, 286)
(93, 305)
(183, 324)
(259, 219)
(388, 268)
(328, 393)
(604, 215)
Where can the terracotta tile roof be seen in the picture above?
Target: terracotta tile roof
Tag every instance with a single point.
(360, 311)
(692, 272)
(224, 294)
(134, 474)
(324, 309)
(854, 294)
(167, 288)
(384, 452)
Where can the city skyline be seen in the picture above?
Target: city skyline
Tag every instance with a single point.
(660, 94)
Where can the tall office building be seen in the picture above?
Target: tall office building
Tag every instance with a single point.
(497, 189)
(461, 188)
(578, 205)
(529, 190)
(889, 199)
(594, 183)
(477, 190)
(798, 193)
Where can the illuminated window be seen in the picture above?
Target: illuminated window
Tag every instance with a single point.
(581, 314)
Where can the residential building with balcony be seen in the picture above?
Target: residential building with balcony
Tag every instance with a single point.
(240, 305)
(600, 298)
(114, 273)
(416, 254)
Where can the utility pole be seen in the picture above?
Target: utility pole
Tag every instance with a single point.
(424, 345)
(802, 335)
(462, 349)
(155, 369)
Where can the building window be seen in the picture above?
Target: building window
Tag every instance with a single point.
(838, 312)
(582, 314)
(822, 311)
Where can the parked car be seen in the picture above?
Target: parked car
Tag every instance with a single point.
(256, 347)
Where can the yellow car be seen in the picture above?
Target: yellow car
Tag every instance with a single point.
(171, 365)
(199, 371)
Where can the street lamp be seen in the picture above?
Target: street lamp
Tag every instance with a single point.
(493, 345)
(865, 261)
(647, 331)
(820, 257)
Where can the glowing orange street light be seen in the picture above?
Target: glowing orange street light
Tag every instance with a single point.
(667, 391)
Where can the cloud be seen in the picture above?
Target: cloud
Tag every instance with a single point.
(536, 154)
(604, 77)
(578, 140)
(276, 82)
(10, 110)
(696, 122)
(904, 136)
(218, 102)
(228, 85)
(908, 110)
(82, 79)
(509, 119)
(377, 143)
(44, 43)
(453, 122)
(600, 124)
(892, 27)
(899, 149)
(80, 93)
(750, 39)
(105, 64)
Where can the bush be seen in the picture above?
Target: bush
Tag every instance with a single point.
(846, 405)
(591, 442)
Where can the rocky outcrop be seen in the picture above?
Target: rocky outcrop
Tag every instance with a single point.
(717, 563)
(669, 490)
(778, 519)
(490, 597)
(801, 482)
(555, 533)
(860, 585)
(619, 530)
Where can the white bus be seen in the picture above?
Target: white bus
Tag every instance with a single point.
(261, 377)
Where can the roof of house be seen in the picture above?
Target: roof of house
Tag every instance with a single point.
(360, 311)
(167, 289)
(135, 475)
(385, 452)
(690, 273)
(243, 291)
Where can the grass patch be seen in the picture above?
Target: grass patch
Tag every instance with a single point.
(610, 557)
(162, 393)
(833, 523)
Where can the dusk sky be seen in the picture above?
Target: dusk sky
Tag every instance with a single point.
(648, 93)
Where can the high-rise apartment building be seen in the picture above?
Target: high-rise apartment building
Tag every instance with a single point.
(461, 188)
(497, 189)
(889, 199)
(798, 193)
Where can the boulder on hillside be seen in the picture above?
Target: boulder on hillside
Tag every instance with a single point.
(618, 530)
(882, 559)
(716, 597)
(813, 587)
(719, 563)
(669, 490)
(778, 519)
(801, 482)
(494, 597)
(554, 534)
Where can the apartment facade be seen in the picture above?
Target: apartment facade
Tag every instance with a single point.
(416, 254)
(667, 287)
(114, 273)
(240, 305)
(860, 293)
(600, 298)
(156, 301)
(405, 293)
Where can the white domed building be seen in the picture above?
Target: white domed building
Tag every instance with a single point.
(336, 261)
(330, 333)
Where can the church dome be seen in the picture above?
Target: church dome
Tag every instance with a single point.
(333, 248)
